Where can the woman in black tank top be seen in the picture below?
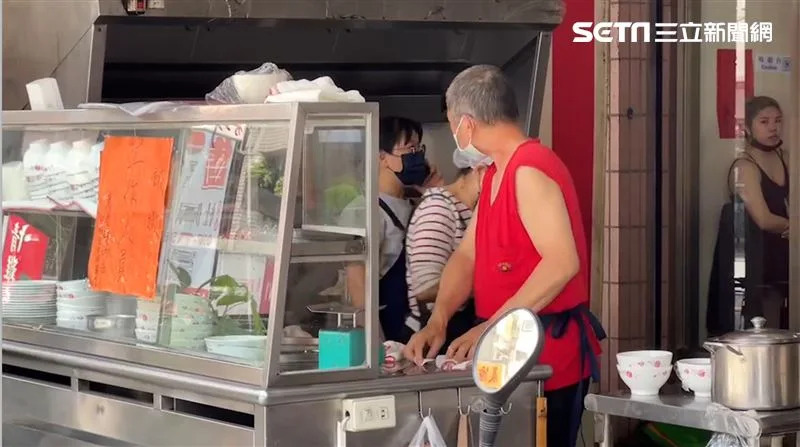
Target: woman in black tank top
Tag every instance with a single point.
(760, 179)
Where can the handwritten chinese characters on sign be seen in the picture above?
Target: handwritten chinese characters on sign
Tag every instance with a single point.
(134, 174)
(24, 251)
(491, 374)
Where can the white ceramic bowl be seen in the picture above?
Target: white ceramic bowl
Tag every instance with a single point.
(80, 325)
(146, 335)
(71, 316)
(241, 352)
(247, 341)
(644, 381)
(695, 374)
(647, 358)
(194, 345)
(81, 302)
(185, 299)
(80, 305)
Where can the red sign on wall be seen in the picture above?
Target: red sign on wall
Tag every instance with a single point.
(728, 89)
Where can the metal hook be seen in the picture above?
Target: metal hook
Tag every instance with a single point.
(421, 415)
(505, 412)
(461, 405)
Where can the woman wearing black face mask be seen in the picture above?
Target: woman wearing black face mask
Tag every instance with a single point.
(760, 179)
(401, 164)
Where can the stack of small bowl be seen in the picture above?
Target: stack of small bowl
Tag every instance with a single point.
(189, 321)
(695, 375)
(645, 372)
(246, 347)
(75, 302)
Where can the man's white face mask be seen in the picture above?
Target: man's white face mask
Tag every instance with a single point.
(469, 148)
(463, 159)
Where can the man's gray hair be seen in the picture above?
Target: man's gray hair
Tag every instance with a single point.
(483, 92)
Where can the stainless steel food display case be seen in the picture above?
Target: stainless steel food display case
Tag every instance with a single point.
(285, 245)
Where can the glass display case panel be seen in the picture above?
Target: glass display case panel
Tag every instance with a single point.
(334, 174)
(321, 328)
(330, 271)
(215, 258)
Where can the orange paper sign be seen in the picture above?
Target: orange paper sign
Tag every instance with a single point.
(491, 374)
(134, 173)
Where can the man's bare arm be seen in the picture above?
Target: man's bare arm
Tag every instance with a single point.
(546, 220)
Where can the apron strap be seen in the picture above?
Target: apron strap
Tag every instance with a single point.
(558, 324)
(392, 216)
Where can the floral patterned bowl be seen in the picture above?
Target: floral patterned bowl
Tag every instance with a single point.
(644, 359)
(644, 380)
(695, 374)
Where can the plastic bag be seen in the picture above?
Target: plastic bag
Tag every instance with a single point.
(726, 440)
(252, 87)
(740, 425)
(428, 435)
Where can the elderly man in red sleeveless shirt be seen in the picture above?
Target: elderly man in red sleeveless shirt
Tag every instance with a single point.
(524, 247)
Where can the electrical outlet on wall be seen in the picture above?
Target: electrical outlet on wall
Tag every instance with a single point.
(369, 413)
(155, 4)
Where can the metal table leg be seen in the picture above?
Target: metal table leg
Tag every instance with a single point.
(607, 439)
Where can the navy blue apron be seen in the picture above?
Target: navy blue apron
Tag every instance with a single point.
(393, 291)
(558, 323)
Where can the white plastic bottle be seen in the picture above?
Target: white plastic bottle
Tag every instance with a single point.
(76, 175)
(33, 165)
(54, 162)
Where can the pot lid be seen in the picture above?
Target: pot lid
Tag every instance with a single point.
(758, 334)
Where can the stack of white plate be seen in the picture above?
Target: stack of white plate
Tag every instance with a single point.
(29, 302)
(75, 302)
(190, 321)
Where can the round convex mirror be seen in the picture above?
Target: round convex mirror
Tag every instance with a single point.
(507, 351)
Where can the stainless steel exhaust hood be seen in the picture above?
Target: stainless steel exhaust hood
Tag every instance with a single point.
(401, 53)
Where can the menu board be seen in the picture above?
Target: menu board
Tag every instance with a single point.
(202, 189)
(134, 175)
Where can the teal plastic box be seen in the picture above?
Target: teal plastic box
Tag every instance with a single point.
(341, 348)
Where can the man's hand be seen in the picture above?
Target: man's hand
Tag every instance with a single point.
(463, 348)
(431, 336)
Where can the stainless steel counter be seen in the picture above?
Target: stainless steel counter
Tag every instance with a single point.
(679, 408)
(251, 394)
(386, 385)
(72, 394)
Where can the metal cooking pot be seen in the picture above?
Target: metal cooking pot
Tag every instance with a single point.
(756, 369)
